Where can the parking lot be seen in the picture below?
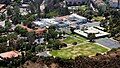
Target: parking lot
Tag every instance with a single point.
(110, 43)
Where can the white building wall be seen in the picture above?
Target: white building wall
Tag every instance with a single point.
(114, 4)
(71, 2)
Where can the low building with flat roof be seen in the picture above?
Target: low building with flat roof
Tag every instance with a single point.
(98, 33)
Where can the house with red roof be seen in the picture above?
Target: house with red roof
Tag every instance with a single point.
(9, 55)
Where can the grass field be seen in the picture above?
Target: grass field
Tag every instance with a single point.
(83, 7)
(99, 18)
(88, 49)
(74, 38)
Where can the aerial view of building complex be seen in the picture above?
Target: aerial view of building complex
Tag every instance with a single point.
(59, 33)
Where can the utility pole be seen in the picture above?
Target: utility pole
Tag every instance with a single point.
(118, 4)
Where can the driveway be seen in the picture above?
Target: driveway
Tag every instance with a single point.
(110, 43)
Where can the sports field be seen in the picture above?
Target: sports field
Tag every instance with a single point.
(88, 49)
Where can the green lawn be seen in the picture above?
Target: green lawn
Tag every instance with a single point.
(88, 49)
(83, 7)
(98, 18)
(74, 38)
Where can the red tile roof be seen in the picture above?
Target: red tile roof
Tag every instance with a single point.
(10, 54)
(39, 31)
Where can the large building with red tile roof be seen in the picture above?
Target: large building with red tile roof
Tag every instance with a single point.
(38, 31)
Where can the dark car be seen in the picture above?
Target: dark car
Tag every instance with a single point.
(5, 2)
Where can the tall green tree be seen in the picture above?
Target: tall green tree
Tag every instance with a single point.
(31, 37)
(91, 37)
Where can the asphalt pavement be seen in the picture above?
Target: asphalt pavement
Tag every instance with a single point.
(110, 43)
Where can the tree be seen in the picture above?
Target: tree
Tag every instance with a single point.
(39, 48)
(2, 17)
(54, 44)
(63, 45)
(35, 6)
(74, 43)
(3, 39)
(52, 34)
(8, 24)
(12, 36)
(2, 30)
(72, 29)
(21, 30)
(16, 16)
(31, 37)
(9, 11)
(64, 11)
(52, 13)
(91, 37)
(103, 23)
(106, 14)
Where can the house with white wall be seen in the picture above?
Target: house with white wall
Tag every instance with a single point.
(75, 2)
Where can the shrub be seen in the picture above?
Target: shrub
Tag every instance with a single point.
(74, 43)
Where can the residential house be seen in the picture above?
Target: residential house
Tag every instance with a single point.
(75, 2)
(2, 8)
(9, 55)
(2, 23)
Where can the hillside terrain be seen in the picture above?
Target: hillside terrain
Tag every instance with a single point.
(109, 60)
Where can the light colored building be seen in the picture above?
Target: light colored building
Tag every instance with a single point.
(74, 2)
(77, 18)
(114, 3)
(2, 8)
(98, 33)
(64, 21)
(2, 23)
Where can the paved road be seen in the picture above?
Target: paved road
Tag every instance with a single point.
(108, 42)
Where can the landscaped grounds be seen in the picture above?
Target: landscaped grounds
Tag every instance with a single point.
(74, 38)
(98, 18)
(88, 49)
